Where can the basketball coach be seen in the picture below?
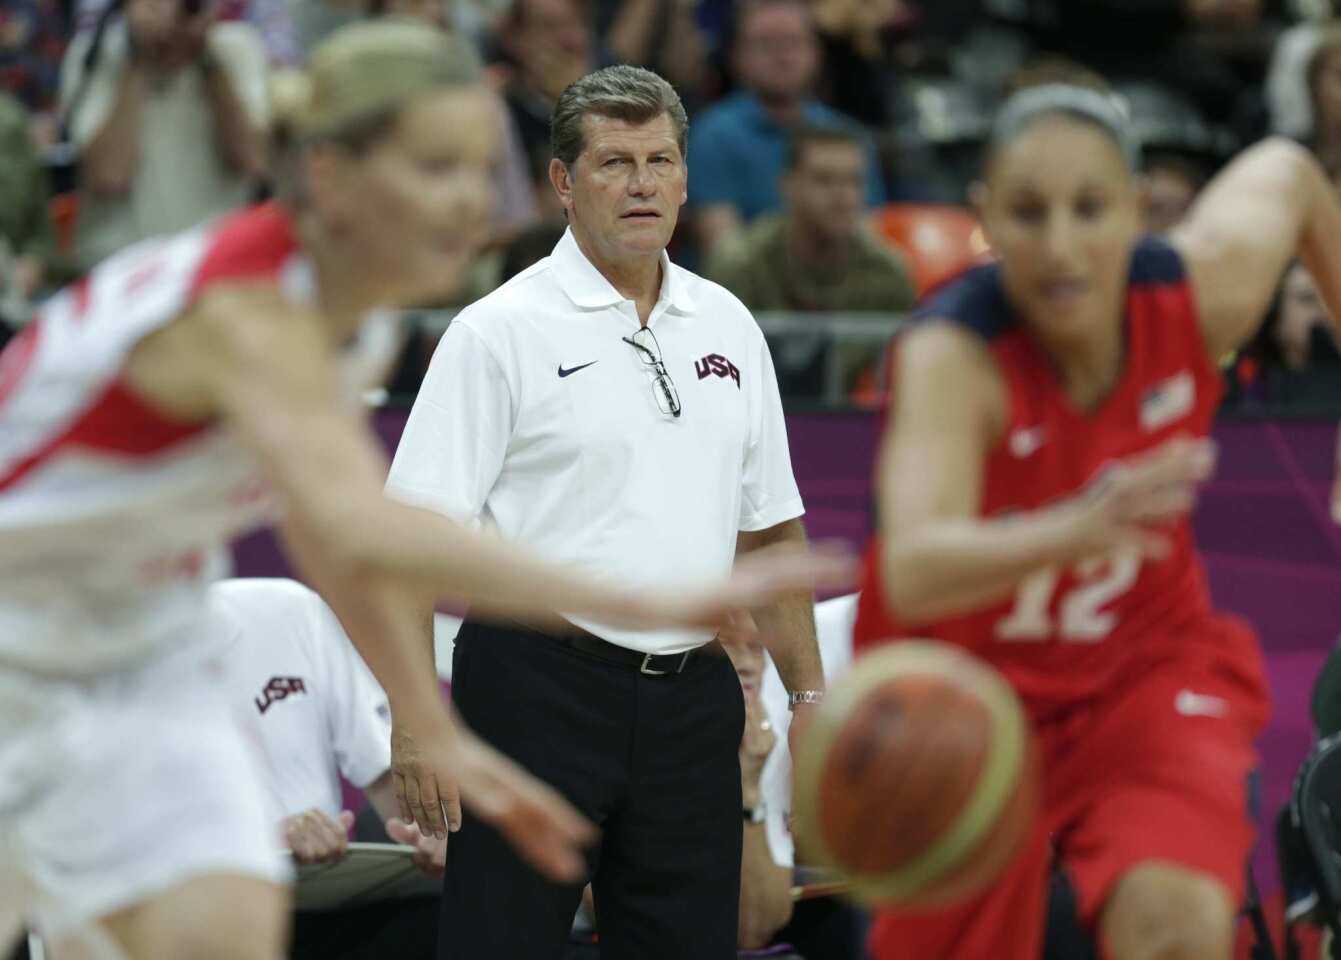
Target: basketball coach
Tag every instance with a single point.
(621, 414)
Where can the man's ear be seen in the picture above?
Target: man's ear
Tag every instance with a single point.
(561, 179)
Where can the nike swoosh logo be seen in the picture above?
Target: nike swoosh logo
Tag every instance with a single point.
(1191, 704)
(1025, 443)
(572, 370)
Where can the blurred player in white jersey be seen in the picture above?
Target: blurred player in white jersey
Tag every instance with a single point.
(185, 391)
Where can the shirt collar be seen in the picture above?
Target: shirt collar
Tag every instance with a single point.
(588, 288)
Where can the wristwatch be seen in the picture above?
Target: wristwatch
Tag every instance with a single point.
(803, 696)
(755, 814)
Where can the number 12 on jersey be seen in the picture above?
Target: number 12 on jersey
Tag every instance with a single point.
(1081, 617)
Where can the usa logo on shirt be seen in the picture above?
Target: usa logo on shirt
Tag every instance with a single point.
(279, 688)
(715, 363)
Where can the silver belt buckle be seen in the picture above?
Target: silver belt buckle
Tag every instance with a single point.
(647, 658)
(644, 669)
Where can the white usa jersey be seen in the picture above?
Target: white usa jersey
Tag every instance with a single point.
(110, 509)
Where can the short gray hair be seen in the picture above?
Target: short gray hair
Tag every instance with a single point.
(626, 93)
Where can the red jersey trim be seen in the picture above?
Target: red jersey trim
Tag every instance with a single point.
(253, 243)
(119, 423)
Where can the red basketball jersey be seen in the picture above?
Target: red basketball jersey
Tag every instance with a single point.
(1067, 633)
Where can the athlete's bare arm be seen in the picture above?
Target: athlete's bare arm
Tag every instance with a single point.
(939, 558)
(264, 367)
(1271, 205)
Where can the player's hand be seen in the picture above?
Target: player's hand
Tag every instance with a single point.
(544, 827)
(1130, 500)
(430, 853)
(759, 577)
(313, 837)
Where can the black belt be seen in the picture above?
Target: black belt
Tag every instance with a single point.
(651, 664)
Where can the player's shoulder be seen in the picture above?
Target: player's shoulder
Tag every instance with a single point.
(252, 244)
(974, 300)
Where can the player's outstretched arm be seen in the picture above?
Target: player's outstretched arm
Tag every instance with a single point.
(275, 390)
(940, 558)
(1272, 204)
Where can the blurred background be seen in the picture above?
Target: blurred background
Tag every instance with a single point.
(832, 146)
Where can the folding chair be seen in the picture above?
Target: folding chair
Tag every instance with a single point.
(1309, 843)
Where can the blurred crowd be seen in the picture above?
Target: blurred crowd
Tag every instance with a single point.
(832, 142)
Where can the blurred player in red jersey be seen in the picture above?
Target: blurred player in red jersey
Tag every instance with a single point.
(1044, 442)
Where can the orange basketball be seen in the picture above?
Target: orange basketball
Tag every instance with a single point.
(918, 778)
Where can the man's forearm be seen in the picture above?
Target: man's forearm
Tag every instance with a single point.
(236, 138)
(108, 163)
(788, 625)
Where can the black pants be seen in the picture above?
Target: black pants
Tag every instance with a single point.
(652, 760)
(403, 929)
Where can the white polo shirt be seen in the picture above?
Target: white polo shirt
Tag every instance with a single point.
(318, 709)
(537, 419)
(833, 628)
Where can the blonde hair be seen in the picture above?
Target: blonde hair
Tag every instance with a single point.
(354, 87)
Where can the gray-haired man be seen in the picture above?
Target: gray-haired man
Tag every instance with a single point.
(622, 415)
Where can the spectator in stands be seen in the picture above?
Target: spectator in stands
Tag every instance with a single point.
(550, 44)
(166, 108)
(858, 75)
(739, 145)
(1172, 184)
(318, 713)
(816, 255)
(662, 35)
(32, 38)
(27, 243)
